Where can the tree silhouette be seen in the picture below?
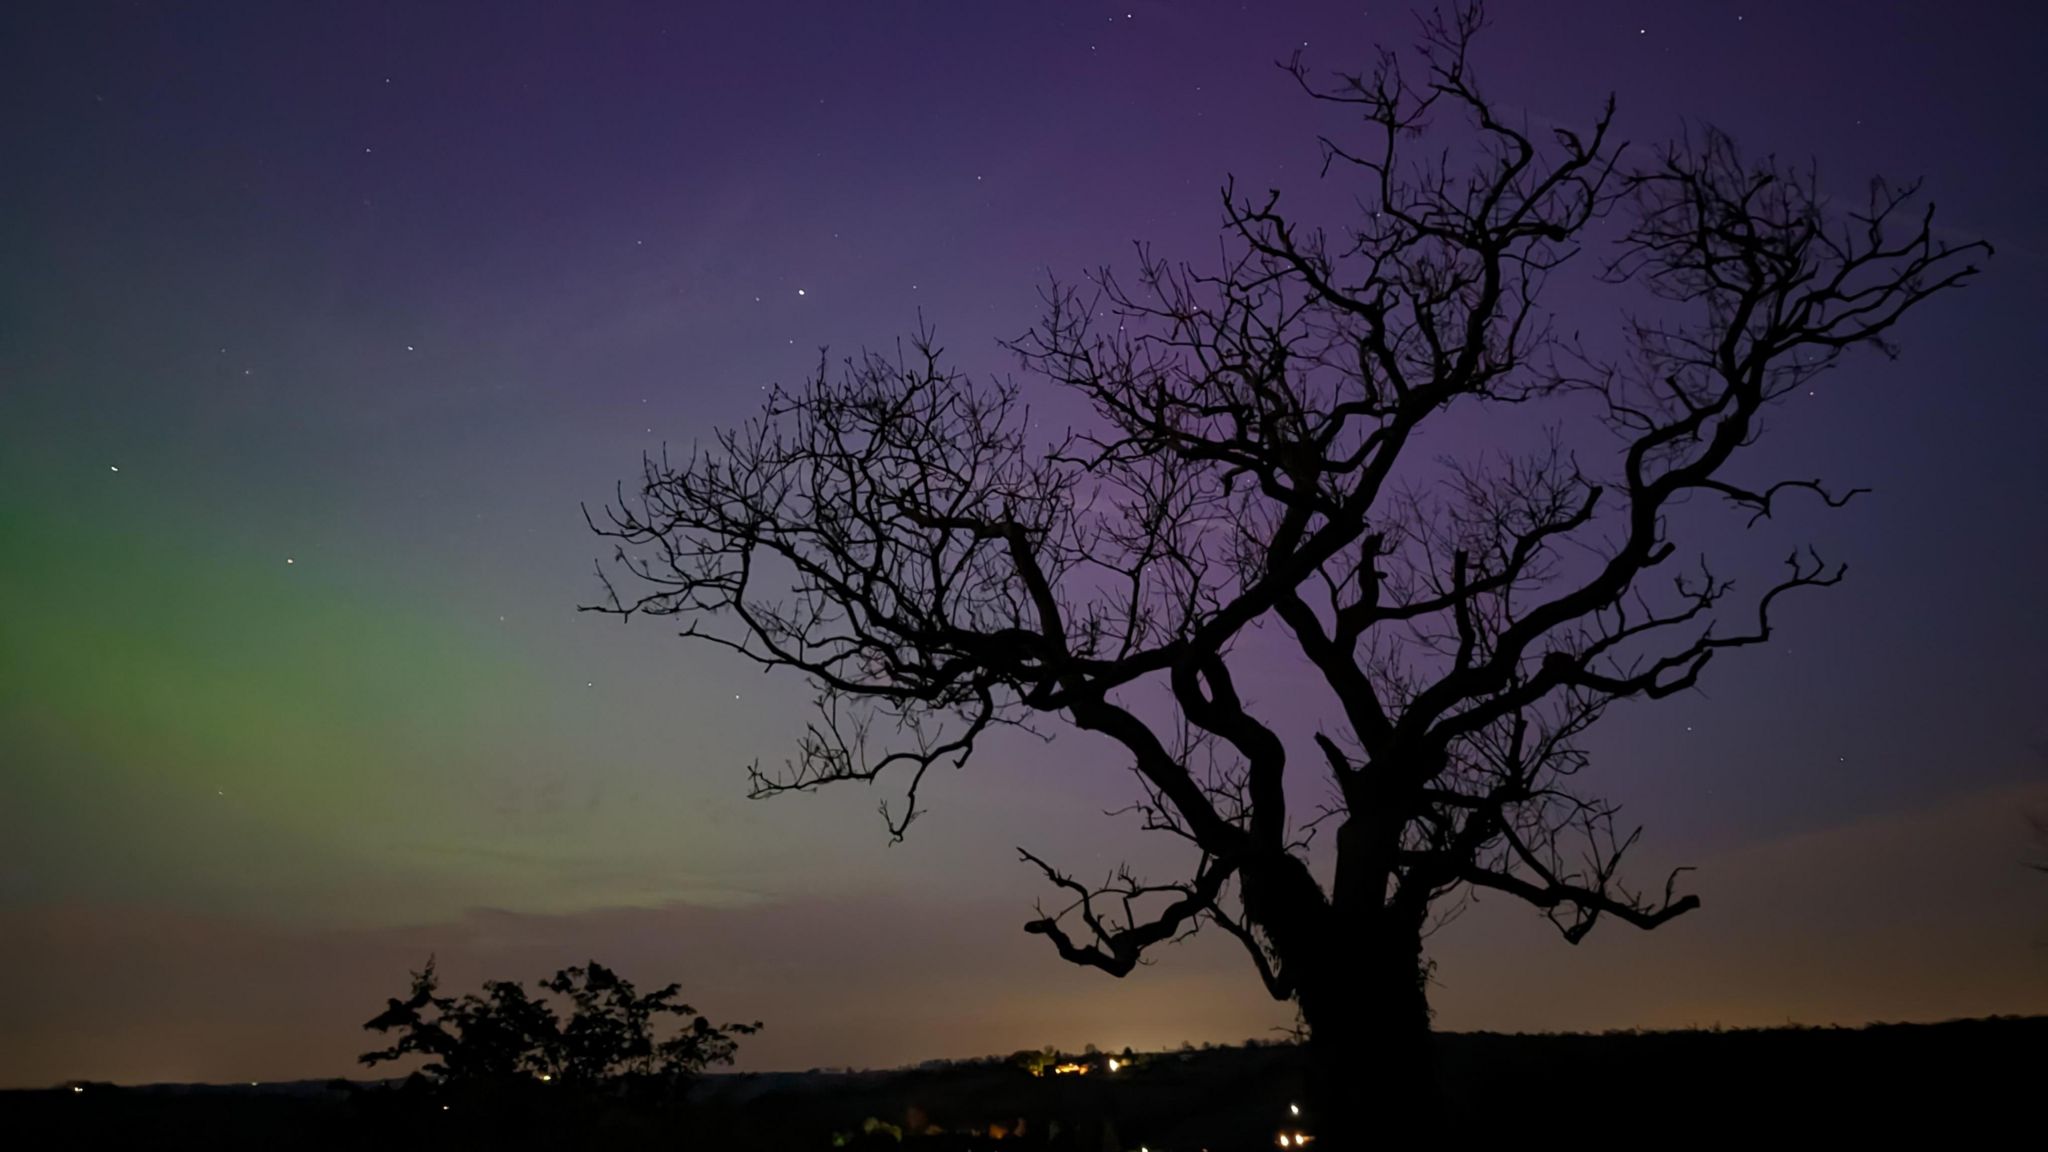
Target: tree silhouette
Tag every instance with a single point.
(1266, 449)
(611, 1044)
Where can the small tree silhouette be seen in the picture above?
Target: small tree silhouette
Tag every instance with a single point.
(611, 1044)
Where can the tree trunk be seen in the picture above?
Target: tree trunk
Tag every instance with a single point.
(1371, 1069)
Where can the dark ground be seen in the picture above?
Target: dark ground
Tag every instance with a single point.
(1977, 1083)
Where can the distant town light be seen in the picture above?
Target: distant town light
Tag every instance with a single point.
(78, 1087)
(1112, 1068)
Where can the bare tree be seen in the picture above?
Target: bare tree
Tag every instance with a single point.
(897, 533)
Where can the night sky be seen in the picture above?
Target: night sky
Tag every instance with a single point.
(318, 322)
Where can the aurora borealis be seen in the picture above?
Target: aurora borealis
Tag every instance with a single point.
(318, 322)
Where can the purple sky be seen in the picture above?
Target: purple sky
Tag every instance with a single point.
(317, 321)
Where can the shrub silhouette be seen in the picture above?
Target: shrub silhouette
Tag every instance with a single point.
(613, 1042)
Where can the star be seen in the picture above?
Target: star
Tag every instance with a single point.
(289, 560)
(113, 467)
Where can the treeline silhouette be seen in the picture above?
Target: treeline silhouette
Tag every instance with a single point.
(1962, 1078)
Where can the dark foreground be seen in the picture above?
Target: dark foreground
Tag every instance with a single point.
(1955, 1081)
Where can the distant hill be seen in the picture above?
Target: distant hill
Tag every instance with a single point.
(1958, 1077)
